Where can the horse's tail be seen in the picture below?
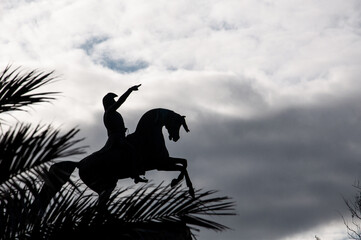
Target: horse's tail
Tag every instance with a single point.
(58, 174)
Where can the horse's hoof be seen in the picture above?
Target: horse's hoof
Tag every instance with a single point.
(174, 182)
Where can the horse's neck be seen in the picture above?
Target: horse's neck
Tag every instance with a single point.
(154, 119)
(161, 116)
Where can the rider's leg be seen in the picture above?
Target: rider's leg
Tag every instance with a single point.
(135, 164)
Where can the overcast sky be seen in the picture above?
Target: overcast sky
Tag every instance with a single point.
(271, 91)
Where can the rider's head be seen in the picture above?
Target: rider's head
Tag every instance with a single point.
(108, 100)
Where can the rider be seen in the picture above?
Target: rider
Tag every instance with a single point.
(114, 124)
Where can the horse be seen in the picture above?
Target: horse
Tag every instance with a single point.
(101, 170)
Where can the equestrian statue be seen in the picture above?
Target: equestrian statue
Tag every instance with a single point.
(123, 156)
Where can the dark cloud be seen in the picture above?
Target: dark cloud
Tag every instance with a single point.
(287, 171)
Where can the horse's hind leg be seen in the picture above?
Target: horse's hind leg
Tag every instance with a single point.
(104, 196)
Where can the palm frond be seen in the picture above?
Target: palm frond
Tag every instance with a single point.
(148, 212)
(23, 148)
(166, 204)
(14, 203)
(147, 204)
(17, 88)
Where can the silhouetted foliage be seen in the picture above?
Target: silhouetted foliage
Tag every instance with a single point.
(354, 228)
(26, 151)
(75, 212)
(26, 148)
(17, 89)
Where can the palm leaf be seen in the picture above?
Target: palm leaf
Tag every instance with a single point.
(17, 88)
(72, 213)
(15, 202)
(163, 204)
(23, 148)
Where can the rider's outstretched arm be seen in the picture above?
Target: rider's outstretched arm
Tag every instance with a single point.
(124, 97)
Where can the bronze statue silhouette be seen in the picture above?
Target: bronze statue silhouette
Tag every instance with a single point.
(101, 170)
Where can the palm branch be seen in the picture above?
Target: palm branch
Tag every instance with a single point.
(148, 212)
(24, 148)
(17, 88)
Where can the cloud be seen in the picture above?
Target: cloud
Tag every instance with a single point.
(122, 66)
(288, 171)
(89, 45)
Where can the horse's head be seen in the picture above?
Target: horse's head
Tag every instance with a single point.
(173, 126)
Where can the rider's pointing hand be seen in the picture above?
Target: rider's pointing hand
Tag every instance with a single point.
(135, 88)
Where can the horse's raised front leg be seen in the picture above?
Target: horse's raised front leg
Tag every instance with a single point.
(189, 183)
(183, 172)
(181, 161)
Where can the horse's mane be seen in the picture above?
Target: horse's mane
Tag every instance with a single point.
(153, 118)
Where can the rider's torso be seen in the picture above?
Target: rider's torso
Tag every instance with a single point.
(114, 124)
